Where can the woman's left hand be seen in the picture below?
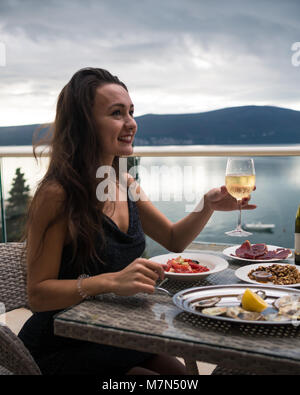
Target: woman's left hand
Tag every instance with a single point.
(219, 199)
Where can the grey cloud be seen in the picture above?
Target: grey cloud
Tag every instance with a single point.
(243, 26)
(89, 16)
(156, 45)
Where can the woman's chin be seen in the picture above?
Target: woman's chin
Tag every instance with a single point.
(126, 151)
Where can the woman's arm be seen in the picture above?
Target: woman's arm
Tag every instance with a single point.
(217, 199)
(173, 236)
(45, 290)
(177, 236)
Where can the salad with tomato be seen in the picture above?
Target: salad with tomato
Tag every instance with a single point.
(183, 265)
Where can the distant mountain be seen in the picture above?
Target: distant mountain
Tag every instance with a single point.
(235, 125)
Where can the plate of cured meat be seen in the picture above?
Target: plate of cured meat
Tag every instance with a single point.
(257, 252)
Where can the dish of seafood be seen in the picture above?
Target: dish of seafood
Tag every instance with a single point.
(190, 266)
(282, 274)
(242, 303)
(257, 252)
(286, 308)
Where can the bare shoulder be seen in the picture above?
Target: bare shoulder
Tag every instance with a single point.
(49, 200)
(51, 192)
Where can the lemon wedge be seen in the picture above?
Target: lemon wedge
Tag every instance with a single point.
(253, 302)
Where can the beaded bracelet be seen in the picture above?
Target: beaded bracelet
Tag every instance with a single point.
(79, 288)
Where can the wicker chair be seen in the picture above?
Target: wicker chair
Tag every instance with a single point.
(14, 356)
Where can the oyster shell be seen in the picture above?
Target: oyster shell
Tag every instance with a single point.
(262, 294)
(276, 317)
(234, 311)
(287, 300)
(215, 311)
(209, 302)
(250, 316)
(291, 310)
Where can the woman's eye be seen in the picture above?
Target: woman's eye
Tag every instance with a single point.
(117, 113)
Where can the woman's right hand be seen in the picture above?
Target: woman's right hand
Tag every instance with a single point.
(139, 276)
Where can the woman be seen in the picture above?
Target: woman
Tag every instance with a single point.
(71, 233)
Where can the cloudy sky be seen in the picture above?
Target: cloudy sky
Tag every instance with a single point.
(175, 56)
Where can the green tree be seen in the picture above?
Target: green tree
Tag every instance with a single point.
(133, 161)
(15, 211)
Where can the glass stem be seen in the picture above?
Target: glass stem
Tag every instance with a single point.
(239, 226)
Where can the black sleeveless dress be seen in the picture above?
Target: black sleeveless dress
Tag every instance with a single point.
(59, 355)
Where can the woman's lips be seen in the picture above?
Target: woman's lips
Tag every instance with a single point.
(126, 139)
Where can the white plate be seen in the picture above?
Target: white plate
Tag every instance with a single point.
(242, 274)
(230, 252)
(212, 262)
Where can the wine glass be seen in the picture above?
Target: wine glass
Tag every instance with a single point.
(240, 182)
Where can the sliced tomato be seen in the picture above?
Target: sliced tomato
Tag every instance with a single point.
(189, 266)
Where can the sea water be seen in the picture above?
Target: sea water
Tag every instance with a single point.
(175, 185)
(277, 197)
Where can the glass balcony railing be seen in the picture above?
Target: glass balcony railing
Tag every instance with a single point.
(175, 178)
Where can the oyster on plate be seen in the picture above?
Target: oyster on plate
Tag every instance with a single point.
(214, 311)
(287, 300)
(291, 311)
(250, 316)
(276, 317)
(209, 302)
(233, 312)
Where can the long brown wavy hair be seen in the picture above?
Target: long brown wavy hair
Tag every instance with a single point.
(74, 158)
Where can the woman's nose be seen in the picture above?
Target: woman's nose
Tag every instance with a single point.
(130, 124)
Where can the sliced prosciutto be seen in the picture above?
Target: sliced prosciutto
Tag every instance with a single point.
(282, 253)
(244, 248)
(260, 251)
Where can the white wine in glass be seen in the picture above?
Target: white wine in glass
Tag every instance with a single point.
(240, 182)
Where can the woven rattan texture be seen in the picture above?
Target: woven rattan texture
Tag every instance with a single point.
(219, 371)
(5, 372)
(13, 276)
(13, 354)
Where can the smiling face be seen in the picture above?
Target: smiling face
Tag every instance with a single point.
(113, 114)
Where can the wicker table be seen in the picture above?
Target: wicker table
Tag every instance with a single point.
(153, 323)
